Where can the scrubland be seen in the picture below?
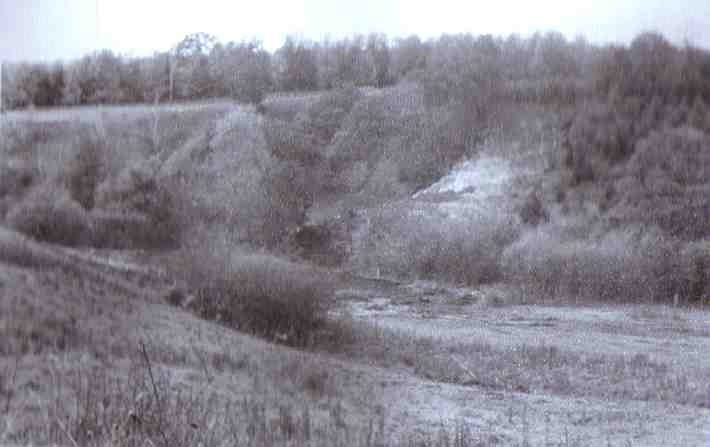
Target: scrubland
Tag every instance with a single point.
(438, 262)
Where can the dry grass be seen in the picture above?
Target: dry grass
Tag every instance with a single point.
(83, 372)
(536, 369)
(215, 386)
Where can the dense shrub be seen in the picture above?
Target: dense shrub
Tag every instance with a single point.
(291, 169)
(597, 138)
(134, 188)
(698, 256)
(136, 210)
(361, 135)
(699, 115)
(640, 140)
(325, 115)
(413, 240)
(549, 91)
(240, 186)
(638, 265)
(20, 139)
(268, 296)
(292, 141)
(17, 177)
(650, 66)
(532, 211)
(680, 155)
(327, 242)
(664, 184)
(435, 144)
(82, 172)
(394, 133)
(48, 213)
(286, 196)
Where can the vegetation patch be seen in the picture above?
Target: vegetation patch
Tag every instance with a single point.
(262, 294)
(49, 214)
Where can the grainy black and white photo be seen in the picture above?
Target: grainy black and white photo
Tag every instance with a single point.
(374, 223)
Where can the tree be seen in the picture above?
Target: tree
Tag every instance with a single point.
(409, 54)
(352, 63)
(298, 70)
(553, 57)
(651, 55)
(131, 82)
(380, 59)
(71, 93)
(33, 85)
(243, 70)
(699, 116)
(612, 70)
(191, 75)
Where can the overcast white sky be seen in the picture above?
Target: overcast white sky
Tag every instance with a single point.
(66, 29)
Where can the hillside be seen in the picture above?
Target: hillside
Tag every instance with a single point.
(448, 306)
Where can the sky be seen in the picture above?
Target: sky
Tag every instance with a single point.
(49, 30)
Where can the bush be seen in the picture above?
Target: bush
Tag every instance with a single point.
(532, 211)
(415, 241)
(303, 139)
(435, 145)
(665, 183)
(291, 141)
(361, 136)
(621, 266)
(679, 155)
(136, 210)
(82, 173)
(325, 115)
(49, 214)
(262, 294)
(281, 202)
(17, 177)
(596, 139)
(325, 243)
(698, 261)
(394, 128)
(21, 138)
(239, 186)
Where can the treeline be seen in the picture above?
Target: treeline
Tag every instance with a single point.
(543, 67)
(200, 67)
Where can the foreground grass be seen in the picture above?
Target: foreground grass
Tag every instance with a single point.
(527, 368)
(83, 365)
(94, 367)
